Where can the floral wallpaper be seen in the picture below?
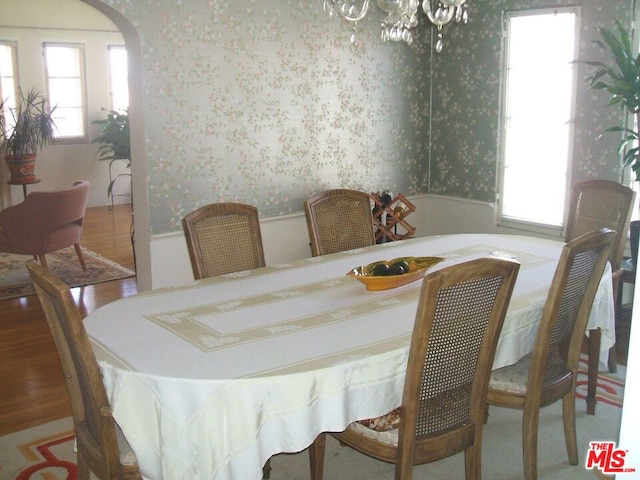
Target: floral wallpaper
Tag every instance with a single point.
(269, 102)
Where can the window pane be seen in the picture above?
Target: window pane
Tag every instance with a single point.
(63, 61)
(538, 116)
(119, 78)
(7, 78)
(65, 92)
(65, 89)
(6, 60)
(69, 120)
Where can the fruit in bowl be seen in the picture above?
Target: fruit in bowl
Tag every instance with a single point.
(386, 274)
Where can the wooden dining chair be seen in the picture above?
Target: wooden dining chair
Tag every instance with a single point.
(549, 372)
(458, 321)
(339, 220)
(223, 238)
(101, 446)
(602, 204)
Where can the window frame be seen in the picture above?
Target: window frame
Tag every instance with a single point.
(81, 48)
(517, 223)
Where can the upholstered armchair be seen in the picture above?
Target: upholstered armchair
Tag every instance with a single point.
(45, 222)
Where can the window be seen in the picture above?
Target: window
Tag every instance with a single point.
(538, 111)
(118, 78)
(64, 70)
(8, 72)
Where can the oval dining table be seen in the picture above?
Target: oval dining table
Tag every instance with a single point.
(209, 379)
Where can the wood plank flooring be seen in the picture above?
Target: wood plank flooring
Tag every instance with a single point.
(32, 388)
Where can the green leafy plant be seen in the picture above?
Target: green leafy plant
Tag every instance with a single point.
(27, 128)
(114, 136)
(620, 77)
(115, 141)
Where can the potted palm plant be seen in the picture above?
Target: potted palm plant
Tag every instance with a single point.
(24, 130)
(620, 78)
(114, 141)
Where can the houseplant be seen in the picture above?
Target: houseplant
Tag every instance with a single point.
(114, 141)
(620, 78)
(24, 131)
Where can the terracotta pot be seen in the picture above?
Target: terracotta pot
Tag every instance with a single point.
(21, 168)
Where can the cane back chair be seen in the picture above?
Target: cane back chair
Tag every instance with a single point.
(223, 238)
(101, 446)
(599, 204)
(339, 220)
(548, 374)
(460, 315)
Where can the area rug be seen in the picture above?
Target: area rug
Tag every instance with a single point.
(15, 281)
(46, 452)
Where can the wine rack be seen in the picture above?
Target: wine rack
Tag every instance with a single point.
(389, 220)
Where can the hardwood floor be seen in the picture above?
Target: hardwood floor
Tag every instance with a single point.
(32, 388)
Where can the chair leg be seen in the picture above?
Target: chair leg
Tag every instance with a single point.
(569, 422)
(80, 256)
(612, 362)
(316, 456)
(43, 260)
(530, 418)
(472, 460)
(83, 469)
(592, 369)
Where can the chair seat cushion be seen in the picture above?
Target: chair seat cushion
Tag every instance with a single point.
(512, 378)
(383, 428)
(388, 436)
(383, 423)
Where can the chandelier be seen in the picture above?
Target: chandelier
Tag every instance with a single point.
(401, 16)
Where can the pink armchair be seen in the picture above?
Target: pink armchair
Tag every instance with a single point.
(45, 222)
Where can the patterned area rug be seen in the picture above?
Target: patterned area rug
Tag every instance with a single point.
(15, 281)
(610, 385)
(46, 452)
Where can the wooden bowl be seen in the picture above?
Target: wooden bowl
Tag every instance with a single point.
(418, 266)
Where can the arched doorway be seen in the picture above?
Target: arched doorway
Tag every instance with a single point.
(138, 157)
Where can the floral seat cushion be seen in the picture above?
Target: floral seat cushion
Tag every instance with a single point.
(512, 378)
(383, 428)
(384, 423)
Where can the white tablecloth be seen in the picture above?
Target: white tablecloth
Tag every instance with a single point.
(209, 379)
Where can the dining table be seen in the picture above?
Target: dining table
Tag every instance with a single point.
(209, 379)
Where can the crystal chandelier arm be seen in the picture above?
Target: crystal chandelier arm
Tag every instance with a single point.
(347, 9)
(442, 15)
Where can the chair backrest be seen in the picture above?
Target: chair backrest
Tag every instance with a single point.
(339, 220)
(599, 204)
(94, 426)
(223, 238)
(459, 318)
(55, 209)
(566, 313)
